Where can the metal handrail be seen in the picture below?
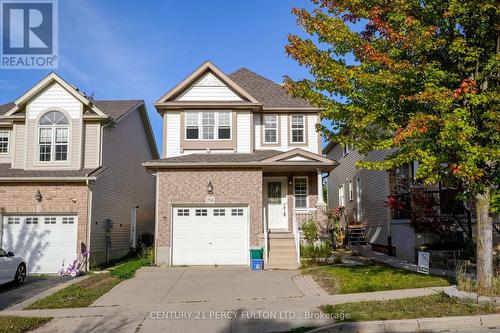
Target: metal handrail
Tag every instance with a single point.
(266, 235)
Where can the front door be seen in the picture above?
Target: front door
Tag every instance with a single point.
(133, 226)
(277, 215)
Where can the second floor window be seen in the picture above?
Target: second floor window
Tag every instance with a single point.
(270, 129)
(4, 142)
(298, 129)
(53, 133)
(208, 125)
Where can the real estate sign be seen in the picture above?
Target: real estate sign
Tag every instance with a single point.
(423, 262)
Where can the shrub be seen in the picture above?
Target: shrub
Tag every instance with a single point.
(310, 231)
(322, 250)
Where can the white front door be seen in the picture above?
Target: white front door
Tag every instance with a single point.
(277, 212)
(44, 241)
(210, 236)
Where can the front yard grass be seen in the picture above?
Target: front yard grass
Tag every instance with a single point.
(16, 324)
(86, 292)
(437, 305)
(370, 277)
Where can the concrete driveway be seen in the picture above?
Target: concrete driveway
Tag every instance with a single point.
(154, 285)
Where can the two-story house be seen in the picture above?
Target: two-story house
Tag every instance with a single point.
(71, 177)
(241, 167)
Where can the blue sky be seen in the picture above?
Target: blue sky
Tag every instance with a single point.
(141, 49)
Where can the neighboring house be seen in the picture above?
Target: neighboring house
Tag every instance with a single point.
(241, 168)
(71, 177)
(367, 195)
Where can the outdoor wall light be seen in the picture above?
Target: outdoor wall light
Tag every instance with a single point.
(290, 180)
(210, 188)
(38, 196)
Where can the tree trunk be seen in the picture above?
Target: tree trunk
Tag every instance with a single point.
(484, 240)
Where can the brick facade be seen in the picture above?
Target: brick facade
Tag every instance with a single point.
(19, 198)
(189, 187)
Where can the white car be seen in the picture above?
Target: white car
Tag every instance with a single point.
(12, 268)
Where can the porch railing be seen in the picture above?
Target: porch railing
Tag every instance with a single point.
(300, 217)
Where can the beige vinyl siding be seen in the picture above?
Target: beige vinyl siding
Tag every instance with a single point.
(123, 184)
(19, 146)
(243, 125)
(374, 214)
(91, 143)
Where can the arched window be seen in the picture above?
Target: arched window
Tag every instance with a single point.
(53, 130)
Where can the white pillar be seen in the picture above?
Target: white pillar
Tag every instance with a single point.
(320, 188)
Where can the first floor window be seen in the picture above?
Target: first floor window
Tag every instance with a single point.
(351, 194)
(4, 142)
(341, 195)
(300, 192)
(298, 129)
(270, 128)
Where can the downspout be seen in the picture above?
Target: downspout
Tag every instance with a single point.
(157, 181)
(89, 220)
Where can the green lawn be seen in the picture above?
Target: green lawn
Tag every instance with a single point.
(371, 277)
(437, 305)
(14, 324)
(86, 292)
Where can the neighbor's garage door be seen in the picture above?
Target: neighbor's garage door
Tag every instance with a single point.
(210, 235)
(43, 241)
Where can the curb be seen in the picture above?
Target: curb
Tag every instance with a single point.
(45, 293)
(466, 297)
(414, 325)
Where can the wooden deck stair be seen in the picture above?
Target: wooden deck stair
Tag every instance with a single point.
(282, 252)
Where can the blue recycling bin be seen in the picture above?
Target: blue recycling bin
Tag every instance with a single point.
(257, 264)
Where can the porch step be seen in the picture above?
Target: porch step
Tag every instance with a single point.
(282, 252)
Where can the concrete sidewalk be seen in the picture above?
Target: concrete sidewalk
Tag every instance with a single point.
(488, 323)
(258, 315)
(396, 262)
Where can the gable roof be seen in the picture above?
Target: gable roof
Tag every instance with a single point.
(116, 108)
(259, 158)
(199, 73)
(269, 93)
(45, 82)
(6, 107)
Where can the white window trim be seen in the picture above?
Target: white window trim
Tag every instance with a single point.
(303, 128)
(216, 125)
(351, 191)
(307, 191)
(264, 128)
(341, 195)
(345, 150)
(8, 141)
(53, 144)
(358, 199)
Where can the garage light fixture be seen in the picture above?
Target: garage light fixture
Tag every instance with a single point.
(38, 196)
(210, 188)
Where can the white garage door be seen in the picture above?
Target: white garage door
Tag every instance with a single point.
(43, 241)
(210, 236)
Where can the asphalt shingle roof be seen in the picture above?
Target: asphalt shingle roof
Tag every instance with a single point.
(6, 171)
(5, 107)
(258, 155)
(269, 93)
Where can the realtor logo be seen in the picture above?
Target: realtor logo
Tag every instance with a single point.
(29, 34)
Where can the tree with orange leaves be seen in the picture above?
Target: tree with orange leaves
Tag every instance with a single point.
(424, 82)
